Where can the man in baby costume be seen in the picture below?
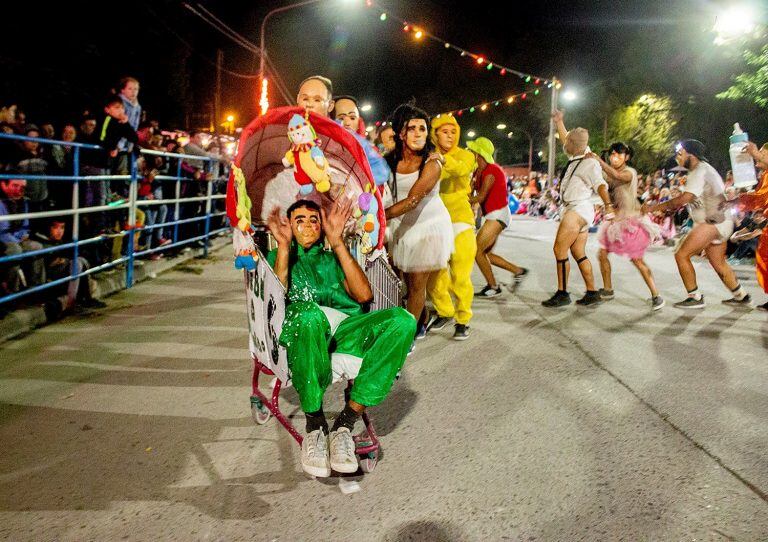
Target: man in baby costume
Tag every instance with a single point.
(454, 191)
(324, 315)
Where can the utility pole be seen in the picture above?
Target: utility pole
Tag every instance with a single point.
(217, 93)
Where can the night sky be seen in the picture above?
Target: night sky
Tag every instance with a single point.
(67, 56)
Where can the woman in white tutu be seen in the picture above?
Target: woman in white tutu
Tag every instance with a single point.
(630, 233)
(419, 223)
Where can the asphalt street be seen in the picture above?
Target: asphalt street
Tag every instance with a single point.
(604, 423)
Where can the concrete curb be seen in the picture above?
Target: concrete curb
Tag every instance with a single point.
(23, 321)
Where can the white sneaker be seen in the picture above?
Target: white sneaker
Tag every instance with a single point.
(343, 457)
(314, 454)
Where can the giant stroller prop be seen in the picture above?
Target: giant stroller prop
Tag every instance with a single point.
(283, 156)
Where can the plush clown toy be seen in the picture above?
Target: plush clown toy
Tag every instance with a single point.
(310, 167)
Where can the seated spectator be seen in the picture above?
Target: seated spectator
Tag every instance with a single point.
(58, 265)
(680, 218)
(31, 162)
(15, 239)
(92, 193)
(47, 131)
(8, 114)
(62, 154)
(20, 127)
(749, 227)
(61, 163)
(8, 151)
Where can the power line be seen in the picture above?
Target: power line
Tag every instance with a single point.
(250, 46)
(198, 53)
(221, 27)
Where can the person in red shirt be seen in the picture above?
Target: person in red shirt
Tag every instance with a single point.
(491, 187)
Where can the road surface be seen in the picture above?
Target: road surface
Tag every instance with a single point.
(609, 423)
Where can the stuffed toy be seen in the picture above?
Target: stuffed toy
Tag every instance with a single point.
(310, 167)
(369, 225)
(242, 242)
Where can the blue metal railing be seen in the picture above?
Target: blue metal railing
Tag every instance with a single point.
(131, 204)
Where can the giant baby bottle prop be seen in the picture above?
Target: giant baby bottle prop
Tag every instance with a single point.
(742, 165)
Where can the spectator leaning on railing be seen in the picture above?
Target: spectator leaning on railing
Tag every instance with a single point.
(197, 170)
(108, 130)
(14, 237)
(128, 92)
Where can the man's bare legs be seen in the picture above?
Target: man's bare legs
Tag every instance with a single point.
(571, 239)
(700, 239)
(567, 233)
(578, 251)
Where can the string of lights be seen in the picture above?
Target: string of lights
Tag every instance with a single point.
(419, 33)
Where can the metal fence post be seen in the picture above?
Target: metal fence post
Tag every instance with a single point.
(132, 196)
(209, 193)
(176, 216)
(75, 217)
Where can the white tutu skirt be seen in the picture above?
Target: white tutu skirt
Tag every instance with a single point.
(424, 244)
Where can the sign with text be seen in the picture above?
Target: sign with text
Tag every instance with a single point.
(265, 297)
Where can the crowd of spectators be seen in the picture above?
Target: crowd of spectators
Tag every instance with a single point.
(535, 196)
(121, 128)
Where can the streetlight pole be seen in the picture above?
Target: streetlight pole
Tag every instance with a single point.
(551, 140)
(262, 49)
(530, 154)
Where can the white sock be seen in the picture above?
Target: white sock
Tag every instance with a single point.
(695, 294)
(739, 293)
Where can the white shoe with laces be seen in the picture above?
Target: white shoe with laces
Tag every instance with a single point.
(314, 454)
(343, 457)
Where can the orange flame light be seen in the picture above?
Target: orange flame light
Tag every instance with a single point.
(264, 100)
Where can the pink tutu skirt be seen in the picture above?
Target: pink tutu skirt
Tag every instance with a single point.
(628, 237)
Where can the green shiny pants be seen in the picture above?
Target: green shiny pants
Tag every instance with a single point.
(381, 338)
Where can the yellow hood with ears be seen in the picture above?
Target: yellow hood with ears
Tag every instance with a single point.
(456, 177)
(442, 120)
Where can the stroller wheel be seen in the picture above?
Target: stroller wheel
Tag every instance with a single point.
(259, 412)
(368, 461)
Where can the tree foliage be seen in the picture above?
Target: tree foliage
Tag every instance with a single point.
(648, 125)
(751, 85)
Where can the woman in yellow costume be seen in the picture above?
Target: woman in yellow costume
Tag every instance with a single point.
(758, 200)
(454, 191)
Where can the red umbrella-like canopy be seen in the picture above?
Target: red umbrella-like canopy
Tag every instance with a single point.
(263, 144)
